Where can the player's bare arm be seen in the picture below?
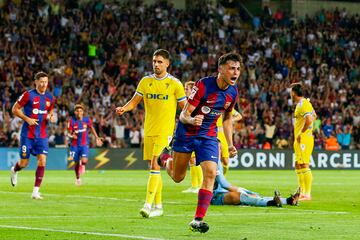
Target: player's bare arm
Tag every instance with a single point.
(99, 140)
(52, 117)
(185, 116)
(236, 116)
(16, 110)
(308, 121)
(130, 105)
(228, 130)
(181, 104)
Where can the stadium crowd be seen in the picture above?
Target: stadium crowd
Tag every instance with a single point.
(96, 54)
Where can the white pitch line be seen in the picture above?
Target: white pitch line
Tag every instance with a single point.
(93, 197)
(79, 232)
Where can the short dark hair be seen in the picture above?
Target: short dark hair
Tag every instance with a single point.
(39, 75)
(162, 52)
(297, 89)
(229, 57)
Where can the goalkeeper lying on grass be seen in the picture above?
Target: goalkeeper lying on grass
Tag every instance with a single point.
(226, 194)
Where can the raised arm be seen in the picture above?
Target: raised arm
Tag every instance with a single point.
(130, 105)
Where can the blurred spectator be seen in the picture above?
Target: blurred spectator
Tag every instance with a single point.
(95, 52)
(331, 143)
(344, 137)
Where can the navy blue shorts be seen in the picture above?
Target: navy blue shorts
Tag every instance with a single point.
(206, 149)
(33, 146)
(76, 153)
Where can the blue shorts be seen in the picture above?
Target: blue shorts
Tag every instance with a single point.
(33, 146)
(76, 153)
(206, 149)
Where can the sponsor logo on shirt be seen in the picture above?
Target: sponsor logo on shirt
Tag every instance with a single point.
(157, 96)
(37, 111)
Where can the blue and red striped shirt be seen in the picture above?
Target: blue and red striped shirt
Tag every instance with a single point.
(210, 101)
(36, 106)
(80, 128)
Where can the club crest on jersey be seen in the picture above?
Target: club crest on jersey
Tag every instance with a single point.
(47, 103)
(227, 105)
(84, 126)
(205, 109)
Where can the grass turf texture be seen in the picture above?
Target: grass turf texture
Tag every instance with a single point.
(107, 206)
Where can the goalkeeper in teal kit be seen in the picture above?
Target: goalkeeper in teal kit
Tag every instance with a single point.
(226, 194)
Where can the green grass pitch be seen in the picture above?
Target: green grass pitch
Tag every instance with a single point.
(107, 206)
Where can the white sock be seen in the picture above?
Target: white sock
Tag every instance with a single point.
(158, 206)
(36, 190)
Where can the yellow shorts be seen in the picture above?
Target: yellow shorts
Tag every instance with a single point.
(304, 150)
(224, 145)
(153, 145)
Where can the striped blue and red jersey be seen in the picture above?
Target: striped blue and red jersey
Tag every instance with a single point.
(210, 101)
(80, 129)
(36, 106)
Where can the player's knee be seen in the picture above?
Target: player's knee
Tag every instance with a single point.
(24, 163)
(210, 174)
(178, 178)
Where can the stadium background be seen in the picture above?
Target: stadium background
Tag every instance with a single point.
(97, 51)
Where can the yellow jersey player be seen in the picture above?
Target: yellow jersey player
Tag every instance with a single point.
(224, 147)
(304, 117)
(161, 93)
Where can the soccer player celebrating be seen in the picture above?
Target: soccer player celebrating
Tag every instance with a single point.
(196, 131)
(79, 148)
(304, 117)
(161, 93)
(37, 105)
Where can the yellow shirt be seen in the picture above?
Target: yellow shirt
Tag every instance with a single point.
(160, 100)
(219, 122)
(303, 108)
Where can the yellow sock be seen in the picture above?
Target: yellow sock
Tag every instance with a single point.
(301, 182)
(199, 175)
(193, 176)
(158, 195)
(226, 169)
(152, 186)
(307, 180)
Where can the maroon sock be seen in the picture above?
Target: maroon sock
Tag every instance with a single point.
(204, 198)
(39, 175)
(17, 167)
(77, 168)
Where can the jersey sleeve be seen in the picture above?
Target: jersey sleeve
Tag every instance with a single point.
(197, 92)
(23, 99)
(70, 126)
(180, 92)
(306, 108)
(52, 103)
(90, 123)
(141, 88)
(221, 180)
(231, 107)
